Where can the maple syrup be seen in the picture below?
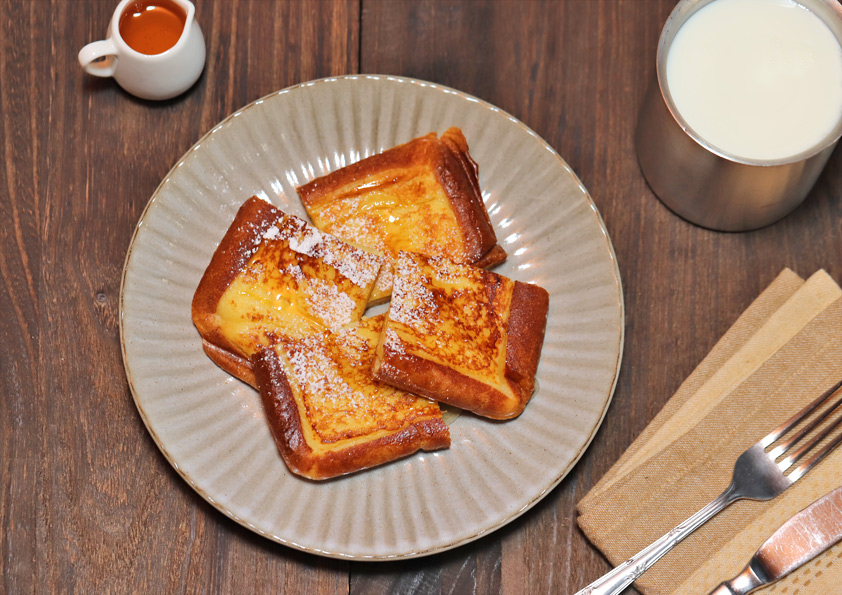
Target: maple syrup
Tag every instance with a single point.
(152, 26)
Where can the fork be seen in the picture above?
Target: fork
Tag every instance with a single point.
(759, 474)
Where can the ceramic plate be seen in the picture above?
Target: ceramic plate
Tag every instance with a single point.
(211, 427)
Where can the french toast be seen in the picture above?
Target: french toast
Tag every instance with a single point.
(462, 335)
(274, 275)
(422, 196)
(328, 416)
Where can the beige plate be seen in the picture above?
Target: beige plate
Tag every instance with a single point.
(211, 426)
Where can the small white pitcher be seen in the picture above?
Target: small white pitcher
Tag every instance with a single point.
(148, 76)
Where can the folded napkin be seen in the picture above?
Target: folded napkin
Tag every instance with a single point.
(783, 352)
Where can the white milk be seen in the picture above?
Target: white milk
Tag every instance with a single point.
(759, 79)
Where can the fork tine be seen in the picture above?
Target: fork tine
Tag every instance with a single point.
(785, 427)
(814, 460)
(785, 446)
(798, 454)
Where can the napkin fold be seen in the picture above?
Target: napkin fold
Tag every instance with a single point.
(782, 352)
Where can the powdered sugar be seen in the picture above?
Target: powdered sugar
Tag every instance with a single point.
(413, 304)
(316, 373)
(273, 233)
(356, 265)
(392, 341)
(330, 304)
(307, 242)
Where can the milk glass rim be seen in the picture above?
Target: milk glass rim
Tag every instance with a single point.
(679, 15)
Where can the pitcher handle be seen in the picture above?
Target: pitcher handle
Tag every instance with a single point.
(92, 52)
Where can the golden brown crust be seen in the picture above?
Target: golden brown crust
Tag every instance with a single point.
(437, 381)
(456, 173)
(491, 258)
(281, 409)
(525, 331)
(235, 249)
(425, 317)
(234, 364)
(276, 255)
(399, 157)
(300, 455)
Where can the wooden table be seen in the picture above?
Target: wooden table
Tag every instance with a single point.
(88, 504)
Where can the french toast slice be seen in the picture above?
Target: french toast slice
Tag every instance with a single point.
(274, 275)
(327, 414)
(462, 335)
(422, 196)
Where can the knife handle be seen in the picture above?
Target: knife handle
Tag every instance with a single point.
(742, 584)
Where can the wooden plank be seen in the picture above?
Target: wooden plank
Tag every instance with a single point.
(576, 72)
(21, 188)
(88, 503)
(473, 568)
(549, 64)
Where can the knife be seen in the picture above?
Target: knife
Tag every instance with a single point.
(799, 540)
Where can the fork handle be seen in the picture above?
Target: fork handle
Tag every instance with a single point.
(630, 570)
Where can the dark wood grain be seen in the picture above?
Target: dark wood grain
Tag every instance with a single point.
(21, 205)
(88, 504)
(576, 72)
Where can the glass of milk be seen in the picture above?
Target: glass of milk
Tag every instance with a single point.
(745, 109)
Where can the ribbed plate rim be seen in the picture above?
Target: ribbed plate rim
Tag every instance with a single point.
(153, 201)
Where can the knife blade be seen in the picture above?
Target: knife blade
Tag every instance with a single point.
(803, 537)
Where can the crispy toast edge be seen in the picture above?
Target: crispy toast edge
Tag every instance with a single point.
(456, 172)
(240, 242)
(237, 246)
(525, 329)
(443, 384)
(285, 423)
(234, 364)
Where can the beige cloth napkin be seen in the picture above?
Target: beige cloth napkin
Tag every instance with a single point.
(783, 352)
